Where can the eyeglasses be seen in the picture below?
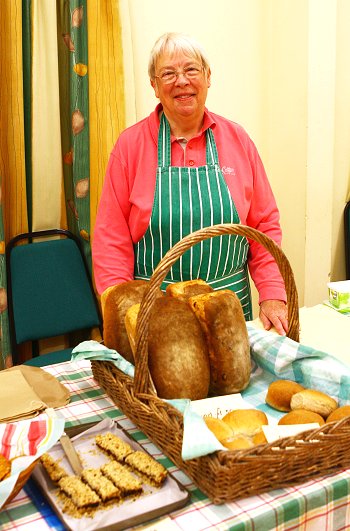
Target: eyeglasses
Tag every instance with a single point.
(170, 76)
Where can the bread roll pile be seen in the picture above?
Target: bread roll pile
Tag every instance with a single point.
(239, 428)
(303, 405)
(198, 342)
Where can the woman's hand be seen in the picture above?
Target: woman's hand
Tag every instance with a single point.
(274, 313)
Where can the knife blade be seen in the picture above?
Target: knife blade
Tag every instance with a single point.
(71, 453)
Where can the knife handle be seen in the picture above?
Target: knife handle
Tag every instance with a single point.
(71, 454)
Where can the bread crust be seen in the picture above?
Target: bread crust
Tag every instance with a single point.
(220, 428)
(246, 421)
(313, 400)
(301, 416)
(259, 438)
(5, 467)
(130, 325)
(117, 301)
(280, 392)
(221, 317)
(238, 442)
(188, 288)
(339, 413)
(177, 351)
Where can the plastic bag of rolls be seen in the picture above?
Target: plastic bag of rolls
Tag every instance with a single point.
(198, 343)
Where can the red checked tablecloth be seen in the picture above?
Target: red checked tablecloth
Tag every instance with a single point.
(317, 505)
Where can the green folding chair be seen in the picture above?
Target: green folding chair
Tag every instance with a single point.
(50, 293)
(347, 238)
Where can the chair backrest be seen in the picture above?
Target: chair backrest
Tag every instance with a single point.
(347, 238)
(50, 292)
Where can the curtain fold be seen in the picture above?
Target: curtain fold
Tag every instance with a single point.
(13, 212)
(46, 160)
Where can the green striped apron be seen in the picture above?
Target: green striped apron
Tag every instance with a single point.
(188, 199)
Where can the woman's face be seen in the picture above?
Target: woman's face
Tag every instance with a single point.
(185, 96)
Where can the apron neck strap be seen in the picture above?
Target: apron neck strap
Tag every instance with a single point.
(164, 145)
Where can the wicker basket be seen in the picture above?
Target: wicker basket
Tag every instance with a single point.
(224, 475)
(21, 481)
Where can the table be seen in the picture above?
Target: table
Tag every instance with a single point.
(316, 505)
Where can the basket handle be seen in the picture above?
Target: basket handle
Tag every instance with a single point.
(142, 380)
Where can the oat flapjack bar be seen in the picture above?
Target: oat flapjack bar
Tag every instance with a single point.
(80, 493)
(53, 469)
(104, 487)
(121, 477)
(113, 445)
(145, 464)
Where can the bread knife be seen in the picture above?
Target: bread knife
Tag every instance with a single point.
(71, 453)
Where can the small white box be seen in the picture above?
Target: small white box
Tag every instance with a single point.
(339, 294)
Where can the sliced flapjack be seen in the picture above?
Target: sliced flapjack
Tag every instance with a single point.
(113, 445)
(54, 470)
(104, 487)
(122, 478)
(147, 466)
(80, 493)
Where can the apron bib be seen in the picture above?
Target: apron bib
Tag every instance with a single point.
(187, 199)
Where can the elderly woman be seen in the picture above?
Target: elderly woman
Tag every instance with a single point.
(181, 169)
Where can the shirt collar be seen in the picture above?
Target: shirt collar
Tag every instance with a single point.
(208, 121)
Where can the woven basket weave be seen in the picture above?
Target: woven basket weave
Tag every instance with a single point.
(21, 481)
(224, 475)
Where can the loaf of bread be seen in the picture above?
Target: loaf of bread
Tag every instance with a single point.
(301, 416)
(177, 351)
(116, 303)
(339, 413)
(221, 317)
(247, 422)
(130, 325)
(189, 288)
(313, 400)
(280, 392)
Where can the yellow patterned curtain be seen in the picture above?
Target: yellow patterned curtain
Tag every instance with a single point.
(104, 111)
(106, 88)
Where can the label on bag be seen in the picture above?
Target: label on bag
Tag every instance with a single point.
(218, 406)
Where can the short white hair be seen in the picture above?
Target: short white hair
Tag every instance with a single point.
(172, 43)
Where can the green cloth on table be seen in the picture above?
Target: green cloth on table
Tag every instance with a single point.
(92, 350)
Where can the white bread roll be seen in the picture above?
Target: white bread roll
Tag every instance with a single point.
(238, 442)
(246, 421)
(221, 317)
(313, 400)
(260, 438)
(339, 413)
(220, 429)
(280, 392)
(188, 288)
(301, 416)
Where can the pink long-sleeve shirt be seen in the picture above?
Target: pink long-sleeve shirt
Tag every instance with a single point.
(127, 197)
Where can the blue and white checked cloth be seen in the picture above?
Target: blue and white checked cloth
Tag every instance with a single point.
(273, 357)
